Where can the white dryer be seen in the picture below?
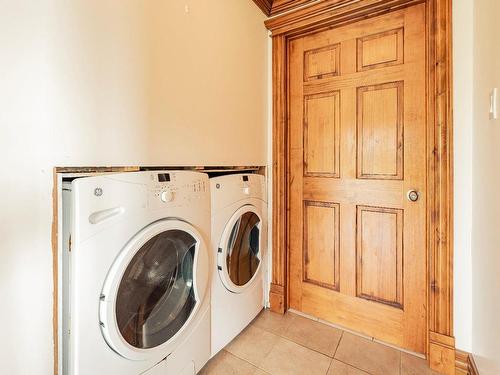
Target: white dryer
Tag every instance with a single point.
(239, 243)
(137, 287)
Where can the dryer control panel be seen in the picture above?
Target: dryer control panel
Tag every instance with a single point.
(228, 189)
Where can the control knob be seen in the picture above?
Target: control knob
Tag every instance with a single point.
(167, 196)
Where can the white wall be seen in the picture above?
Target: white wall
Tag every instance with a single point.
(462, 137)
(111, 82)
(477, 177)
(486, 197)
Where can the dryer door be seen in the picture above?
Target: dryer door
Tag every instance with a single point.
(239, 255)
(153, 290)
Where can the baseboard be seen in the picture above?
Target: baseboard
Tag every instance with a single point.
(464, 363)
(277, 298)
(441, 354)
(472, 366)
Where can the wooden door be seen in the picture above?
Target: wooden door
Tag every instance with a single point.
(357, 146)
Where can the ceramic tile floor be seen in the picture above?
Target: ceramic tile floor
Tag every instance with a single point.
(291, 344)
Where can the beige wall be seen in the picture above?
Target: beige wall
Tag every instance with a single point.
(111, 82)
(486, 197)
(209, 83)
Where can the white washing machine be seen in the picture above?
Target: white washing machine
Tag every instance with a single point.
(239, 243)
(136, 296)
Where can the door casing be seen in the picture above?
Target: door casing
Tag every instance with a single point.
(333, 13)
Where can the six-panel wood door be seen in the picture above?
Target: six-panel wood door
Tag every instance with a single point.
(357, 133)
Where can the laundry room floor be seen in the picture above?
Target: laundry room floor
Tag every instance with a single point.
(292, 344)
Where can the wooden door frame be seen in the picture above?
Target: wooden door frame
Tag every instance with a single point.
(333, 13)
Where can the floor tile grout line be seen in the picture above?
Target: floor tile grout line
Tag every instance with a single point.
(339, 328)
(306, 347)
(270, 350)
(329, 366)
(260, 368)
(314, 350)
(280, 334)
(351, 365)
(400, 363)
(338, 344)
(244, 360)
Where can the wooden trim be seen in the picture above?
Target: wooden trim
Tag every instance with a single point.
(441, 167)
(472, 365)
(461, 363)
(465, 364)
(94, 169)
(334, 13)
(440, 180)
(280, 182)
(88, 170)
(264, 5)
(288, 5)
(277, 298)
(441, 353)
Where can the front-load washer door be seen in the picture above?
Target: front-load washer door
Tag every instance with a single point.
(239, 255)
(152, 291)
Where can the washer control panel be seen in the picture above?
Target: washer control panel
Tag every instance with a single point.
(173, 189)
(167, 195)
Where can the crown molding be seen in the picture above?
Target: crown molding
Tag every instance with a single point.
(265, 6)
(282, 6)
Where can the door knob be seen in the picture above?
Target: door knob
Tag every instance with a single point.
(413, 195)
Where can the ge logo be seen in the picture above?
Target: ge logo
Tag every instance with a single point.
(98, 192)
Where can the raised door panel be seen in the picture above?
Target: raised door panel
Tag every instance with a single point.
(321, 135)
(380, 50)
(321, 244)
(379, 253)
(380, 131)
(322, 62)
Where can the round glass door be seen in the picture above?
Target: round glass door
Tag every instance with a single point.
(242, 249)
(154, 289)
(156, 296)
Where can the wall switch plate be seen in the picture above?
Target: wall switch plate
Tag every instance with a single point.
(493, 104)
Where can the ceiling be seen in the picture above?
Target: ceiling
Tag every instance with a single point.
(274, 7)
